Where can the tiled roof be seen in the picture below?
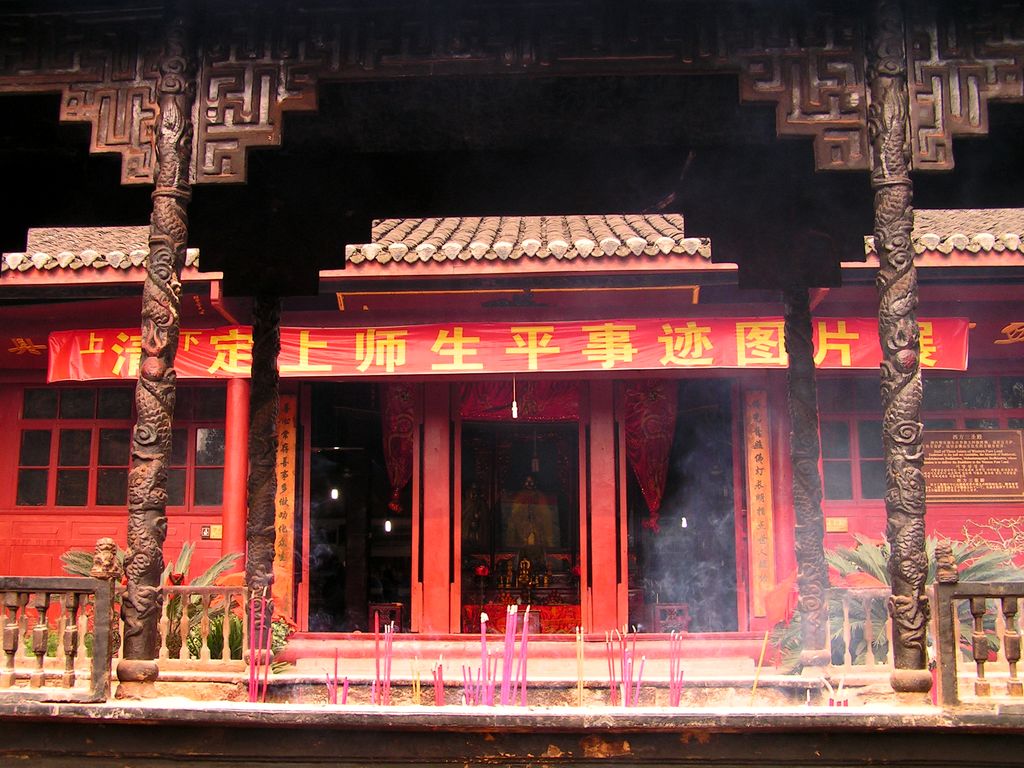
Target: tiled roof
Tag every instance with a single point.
(511, 238)
(75, 248)
(968, 231)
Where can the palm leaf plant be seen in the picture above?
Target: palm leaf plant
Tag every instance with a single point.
(79, 563)
(866, 564)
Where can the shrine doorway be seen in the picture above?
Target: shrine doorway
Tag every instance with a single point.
(520, 522)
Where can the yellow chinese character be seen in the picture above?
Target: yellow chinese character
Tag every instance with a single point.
(686, 345)
(304, 365)
(190, 339)
(834, 341)
(609, 343)
(1014, 334)
(928, 346)
(760, 343)
(532, 340)
(95, 346)
(23, 346)
(128, 351)
(234, 352)
(453, 345)
(380, 347)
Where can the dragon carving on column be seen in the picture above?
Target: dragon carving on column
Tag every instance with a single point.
(262, 485)
(805, 452)
(899, 337)
(155, 391)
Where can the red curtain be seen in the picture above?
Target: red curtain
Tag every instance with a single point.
(650, 411)
(398, 414)
(536, 400)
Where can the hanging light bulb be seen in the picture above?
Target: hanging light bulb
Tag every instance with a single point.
(334, 494)
(515, 405)
(387, 526)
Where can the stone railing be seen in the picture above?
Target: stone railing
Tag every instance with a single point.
(977, 621)
(31, 607)
(860, 607)
(190, 616)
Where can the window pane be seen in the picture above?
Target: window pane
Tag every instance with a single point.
(1013, 392)
(831, 395)
(939, 424)
(31, 487)
(72, 487)
(115, 447)
(869, 435)
(112, 487)
(981, 423)
(209, 447)
(835, 440)
(867, 394)
(210, 402)
(115, 403)
(35, 448)
(179, 447)
(978, 392)
(40, 404)
(939, 394)
(209, 490)
(183, 397)
(77, 403)
(73, 450)
(838, 484)
(872, 479)
(176, 487)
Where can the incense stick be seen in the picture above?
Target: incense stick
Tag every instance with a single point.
(760, 663)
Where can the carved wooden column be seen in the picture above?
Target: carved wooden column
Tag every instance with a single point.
(155, 392)
(805, 454)
(262, 487)
(899, 337)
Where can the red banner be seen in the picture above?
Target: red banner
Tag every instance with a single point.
(470, 348)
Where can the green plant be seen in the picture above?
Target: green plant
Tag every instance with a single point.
(79, 563)
(975, 562)
(279, 632)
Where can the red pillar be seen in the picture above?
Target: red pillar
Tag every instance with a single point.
(437, 528)
(604, 520)
(236, 466)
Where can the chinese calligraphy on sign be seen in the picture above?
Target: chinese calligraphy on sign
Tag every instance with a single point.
(760, 515)
(652, 344)
(284, 506)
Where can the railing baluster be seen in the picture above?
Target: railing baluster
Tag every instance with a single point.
(40, 638)
(869, 633)
(1011, 645)
(225, 629)
(69, 637)
(82, 628)
(165, 628)
(183, 627)
(979, 646)
(847, 632)
(25, 653)
(12, 601)
(204, 627)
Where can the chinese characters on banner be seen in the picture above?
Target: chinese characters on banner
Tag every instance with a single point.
(284, 507)
(606, 345)
(760, 532)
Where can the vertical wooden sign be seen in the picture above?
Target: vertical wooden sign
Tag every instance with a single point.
(284, 507)
(760, 533)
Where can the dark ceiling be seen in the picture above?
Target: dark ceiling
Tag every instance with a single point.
(507, 145)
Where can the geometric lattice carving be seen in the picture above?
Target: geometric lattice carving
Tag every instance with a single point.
(960, 57)
(257, 61)
(105, 71)
(259, 64)
(818, 85)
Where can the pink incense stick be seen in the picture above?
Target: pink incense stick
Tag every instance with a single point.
(266, 669)
(376, 656)
(523, 655)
